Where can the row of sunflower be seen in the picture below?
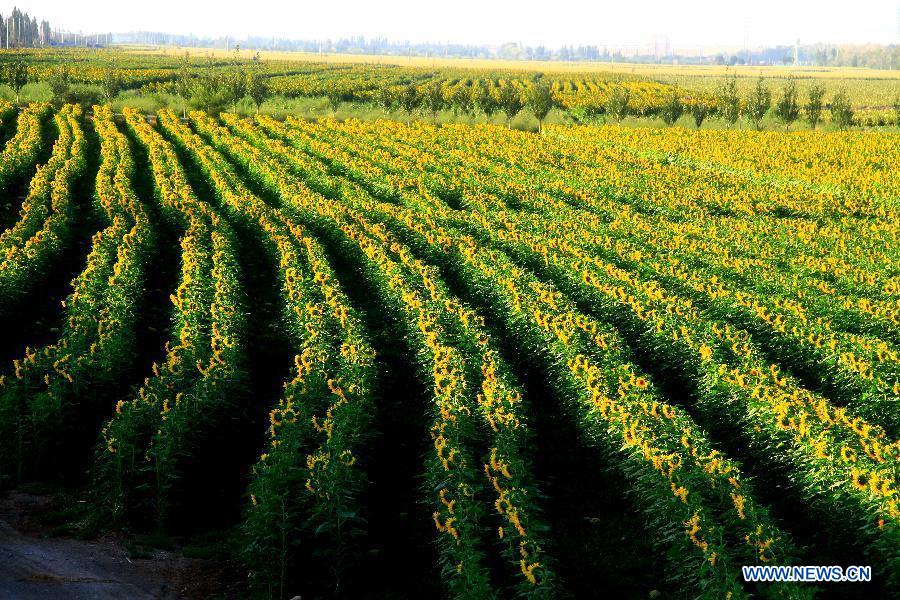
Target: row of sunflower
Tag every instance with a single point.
(45, 223)
(855, 161)
(7, 111)
(828, 451)
(799, 326)
(659, 182)
(22, 150)
(844, 264)
(97, 340)
(846, 343)
(656, 182)
(656, 445)
(734, 381)
(859, 371)
(477, 408)
(658, 448)
(145, 445)
(850, 251)
(307, 482)
(662, 184)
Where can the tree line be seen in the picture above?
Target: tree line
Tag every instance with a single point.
(728, 105)
(20, 30)
(213, 89)
(16, 75)
(210, 88)
(509, 100)
(217, 86)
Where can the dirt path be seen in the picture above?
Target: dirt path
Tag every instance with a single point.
(34, 566)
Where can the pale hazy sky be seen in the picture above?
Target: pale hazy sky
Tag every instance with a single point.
(602, 22)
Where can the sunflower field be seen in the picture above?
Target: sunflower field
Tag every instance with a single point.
(458, 361)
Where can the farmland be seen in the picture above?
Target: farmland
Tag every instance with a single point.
(402, 360)
(448, 90)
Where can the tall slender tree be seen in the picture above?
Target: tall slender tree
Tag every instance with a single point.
(672, 109)
(814, 104)
(258, 88)
(510, 102)
(235, 80)
(759, 103)
(540, 100)
(787, 109)
(111, 83)
(15, 75)
(462, 99)
(335, 95)
(484, 99)
(434, 98)
(410, 100)
(699, 111)
(235, 86)
(841, 110)
(209, 91)
(184, 82)
(618, 102)
(387, 99)
(728, 102)
(60, 81)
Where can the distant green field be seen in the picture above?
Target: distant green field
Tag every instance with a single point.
(300, 83)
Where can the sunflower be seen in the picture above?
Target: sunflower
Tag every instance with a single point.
(860, 480)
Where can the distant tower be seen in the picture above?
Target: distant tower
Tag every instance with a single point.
(747, 42)
(797, 53)
(660, 46)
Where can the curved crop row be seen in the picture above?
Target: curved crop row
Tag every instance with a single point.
(307, 480)
(149, 438)
(828, 451)
(98, 337)
(614, 402)
(22, 150)
(663, 454)
(477, 411)
(45, 222)
(861, 370)
(729, 242)
(718, 331)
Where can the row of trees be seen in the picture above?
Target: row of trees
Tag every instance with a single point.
(19, 30)
(15, 74)
(727, 103)
(213, 88)
(467, 100)
(729, 106)
(787, 108)
(217, 86)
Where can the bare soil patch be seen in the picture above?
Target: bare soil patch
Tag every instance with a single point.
(35, 565)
